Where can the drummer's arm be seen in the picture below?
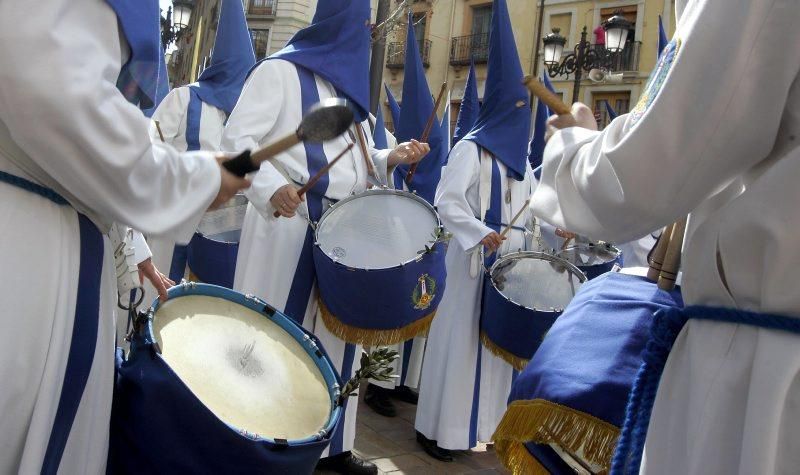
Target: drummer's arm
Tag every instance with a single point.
(254, 116)
(460, 180)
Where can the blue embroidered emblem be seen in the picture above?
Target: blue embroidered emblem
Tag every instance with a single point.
(656, 80)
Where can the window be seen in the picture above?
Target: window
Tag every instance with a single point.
(260, 42)
(262, 7)
(481, 20)
(620, 101)
(562, 21)
(420, 20)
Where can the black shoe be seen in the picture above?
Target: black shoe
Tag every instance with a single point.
(378, 399)
(434, 450)
(405, 394)
(347, 464)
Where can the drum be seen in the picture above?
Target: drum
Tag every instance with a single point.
(379, 259)
(220, 382)
(211, 253)
(567, 406)
(593, 259)
(523, 295)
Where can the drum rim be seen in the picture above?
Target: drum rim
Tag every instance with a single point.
(377, 191)
(329, 375)
(537, 255)
(607, 246)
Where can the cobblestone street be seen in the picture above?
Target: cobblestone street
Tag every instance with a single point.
(390, 443)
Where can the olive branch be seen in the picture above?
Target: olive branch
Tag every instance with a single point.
(376, 365)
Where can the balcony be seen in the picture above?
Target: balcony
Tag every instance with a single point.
(396, 54)
(628, 59)
(464, 48)
(262, 8)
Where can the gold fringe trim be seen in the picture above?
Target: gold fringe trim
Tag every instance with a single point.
(517, 459)
(518, 363)
(367, 337)
(544, 422)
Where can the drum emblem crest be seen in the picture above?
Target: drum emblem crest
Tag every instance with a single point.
(423, 294)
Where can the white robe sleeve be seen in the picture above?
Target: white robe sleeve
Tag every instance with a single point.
(169, 115)
(460, 182)
(716, 116)
(141, 249)
(252, 119)
(63, 109)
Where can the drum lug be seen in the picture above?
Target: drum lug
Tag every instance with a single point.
(321, 434)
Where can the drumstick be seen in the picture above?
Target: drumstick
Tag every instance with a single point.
(567, 241)
(513, 220)
(546, 96)
(362, 143)
(314, 179)
(158, 128)
(427, 132)
(672, 260)
(657, 257)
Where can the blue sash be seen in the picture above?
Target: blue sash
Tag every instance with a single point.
(180, 252)
(666, 326)
(84, 328)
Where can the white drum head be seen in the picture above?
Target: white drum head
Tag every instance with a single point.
(377, 230)
(536, 283)
(244, 368)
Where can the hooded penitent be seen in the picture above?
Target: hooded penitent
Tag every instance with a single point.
(504, 120)
(336, 47)
(468, 112)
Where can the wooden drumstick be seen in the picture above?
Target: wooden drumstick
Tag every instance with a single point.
(427, 132)
(362, 143)
(314, 179)
(158, 128)
(672, 260)
(546, 96)
(513, 220)
(657, 257)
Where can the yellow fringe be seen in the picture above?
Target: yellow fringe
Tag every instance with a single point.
(545, 422)
(367, 337)
(517, 459)
(518, 363)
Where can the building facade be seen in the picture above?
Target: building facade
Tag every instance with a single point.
(450, 32)
(271, 24)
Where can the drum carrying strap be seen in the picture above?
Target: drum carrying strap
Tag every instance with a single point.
(304, 276)
(491, 202)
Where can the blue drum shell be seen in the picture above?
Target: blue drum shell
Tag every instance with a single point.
(212, 259)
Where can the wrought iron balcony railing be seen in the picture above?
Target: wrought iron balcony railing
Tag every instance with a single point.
(462, 48)
(396, 54)
(262, 7)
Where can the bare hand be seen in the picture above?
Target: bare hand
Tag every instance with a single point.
(492, 241)
(286, 200)
(408, 152)
(230, 184)
(159, 280)
(581, 116)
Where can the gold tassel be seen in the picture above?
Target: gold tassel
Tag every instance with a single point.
(518, 363)
(367, 337)
(544, 422)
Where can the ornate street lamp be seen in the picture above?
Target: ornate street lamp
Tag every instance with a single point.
(584, 57)
(177, 20)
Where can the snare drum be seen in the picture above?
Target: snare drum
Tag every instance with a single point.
(523, 295)
(379, 259)
(213, 248)
(593, 259)
(219, 382)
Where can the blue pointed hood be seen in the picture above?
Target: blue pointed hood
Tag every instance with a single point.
(221, 83)
(162, 87)
(417, 107)
(536, 150)
(379, 131)
(140, 23)
(612, 114)
(504, 121)
(468, 113)
(336, 47)
(662, 36)
(394, 108)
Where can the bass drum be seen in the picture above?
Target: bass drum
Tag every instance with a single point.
(220, 382)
